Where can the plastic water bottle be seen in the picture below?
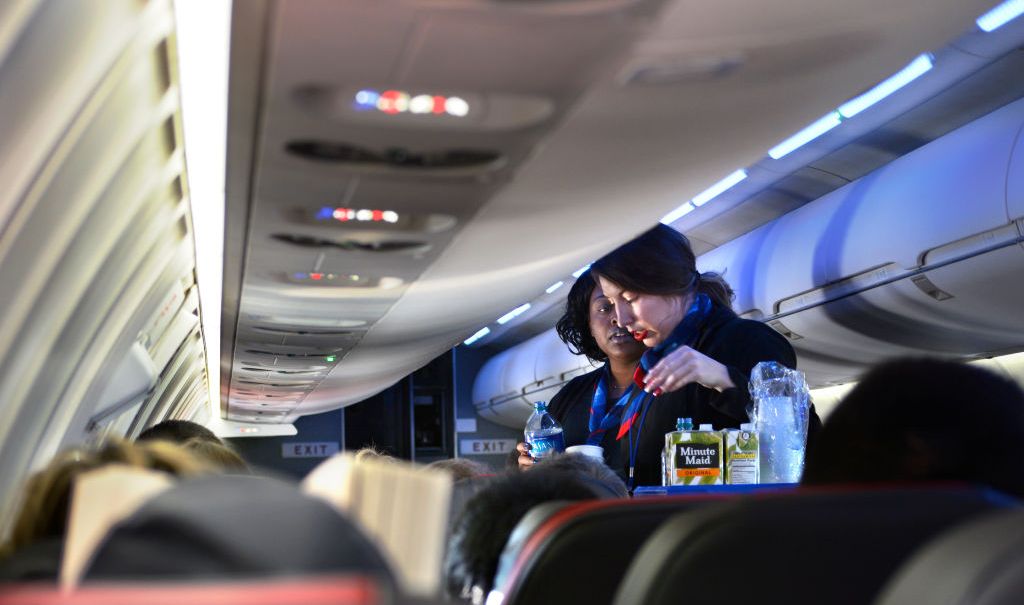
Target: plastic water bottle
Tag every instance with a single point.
(543, 432)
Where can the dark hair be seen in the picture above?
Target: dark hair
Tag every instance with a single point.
(924, 420)
(461, 468)
(574, 325)
(178, 431)
(490, 516)
(595, 471)
(660, 261)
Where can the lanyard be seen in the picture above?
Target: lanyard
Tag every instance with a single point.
(635, 446)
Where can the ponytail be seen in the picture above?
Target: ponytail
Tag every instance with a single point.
(716, 288)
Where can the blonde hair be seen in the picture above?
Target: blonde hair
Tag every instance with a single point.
(220, 456)
(44, 510)
(372, 453)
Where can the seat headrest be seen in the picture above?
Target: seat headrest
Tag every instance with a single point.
(234, 526)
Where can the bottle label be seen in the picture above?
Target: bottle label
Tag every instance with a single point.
(542, 447)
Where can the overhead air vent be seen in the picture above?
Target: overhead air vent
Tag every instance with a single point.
(308, 241)
(283, 372)
(301, 331)
(397, 157)
(295, 355)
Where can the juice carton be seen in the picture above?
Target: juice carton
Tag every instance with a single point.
(694, 457)
(741, 461)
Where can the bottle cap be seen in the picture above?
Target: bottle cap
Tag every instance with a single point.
(540, 406)
(706, 427)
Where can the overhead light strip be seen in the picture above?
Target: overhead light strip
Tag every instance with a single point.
(1000, 15)
(719, 188)
(578, 272)
(914, 70)
(475, 337)
(514, 313)
(203, 32)
(808, 134)
(554, 287)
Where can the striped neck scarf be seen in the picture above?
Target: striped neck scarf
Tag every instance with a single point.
(601, 418)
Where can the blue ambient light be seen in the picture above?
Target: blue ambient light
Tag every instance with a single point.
(914, 70)
(479, 334)
(1000, 15)
(805, 136)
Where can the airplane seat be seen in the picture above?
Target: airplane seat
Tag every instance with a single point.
(321, 590)
(578, 552)
(235, 526)
(978, 563)
(835, 545)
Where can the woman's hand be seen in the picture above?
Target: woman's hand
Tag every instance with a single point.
(525, 461)
(683, 366)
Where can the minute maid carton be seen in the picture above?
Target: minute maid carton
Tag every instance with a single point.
(741, 462)
(694, 457)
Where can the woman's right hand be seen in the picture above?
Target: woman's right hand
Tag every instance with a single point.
(525, 461)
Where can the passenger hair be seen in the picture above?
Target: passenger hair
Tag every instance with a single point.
(661, 261)
(596, 471)
(370, 452)
(488, 519)
(574, 325)
(461, 468)
(912, 420)
(178, 431)
(47, 493)
(223, 457)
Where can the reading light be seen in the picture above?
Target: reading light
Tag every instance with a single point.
(1000, 15)
(456, 106)
(479, 334)
(805, 136)
(908, 74)
(578, 272)
(399, 101)
(514, 313)
(554, 286)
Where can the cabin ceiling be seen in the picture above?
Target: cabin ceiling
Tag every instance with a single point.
(588, 122)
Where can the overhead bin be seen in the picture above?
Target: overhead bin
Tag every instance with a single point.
(918, 257)
(924, 256)
(507, 385)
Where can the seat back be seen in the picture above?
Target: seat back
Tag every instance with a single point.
(342, 590)
(808, 546)
(978, 563)
(578, 552)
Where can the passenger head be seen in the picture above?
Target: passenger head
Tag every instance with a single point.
(219, 456)
(924, 420)
(372, 453)
(177, 431)
(44, 510)
(651, 280)
(595, 471)
(461, 468)
(234, 526)
(588, 325)
(485, 525)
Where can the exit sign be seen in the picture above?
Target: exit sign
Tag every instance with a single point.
(309, 450)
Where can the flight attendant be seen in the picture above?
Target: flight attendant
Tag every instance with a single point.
(700, 353)
(590, 407)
